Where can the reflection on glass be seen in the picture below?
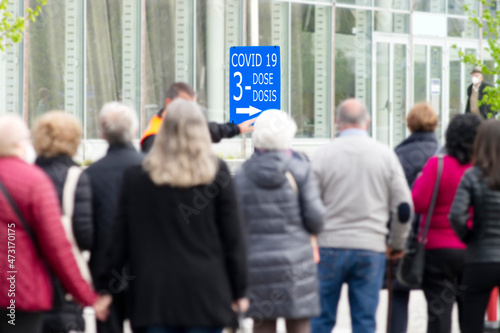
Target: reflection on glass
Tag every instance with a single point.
(353, 63)
(420, 73)
(104, 58)
(455, 7)
(455, 84)
(436, 55)
(389, 22)
(393, 4)
(462, 28)
(383, 103)
(309, 50)
(160, 53)
(46, 59)
(399, 91)
(431, 6)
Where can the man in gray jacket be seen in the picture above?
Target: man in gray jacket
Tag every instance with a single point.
(363, 187)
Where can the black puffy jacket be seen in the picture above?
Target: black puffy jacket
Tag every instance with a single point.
(57, 169)
(483, 239)
(278, 225)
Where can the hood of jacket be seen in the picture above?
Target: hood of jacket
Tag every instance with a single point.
(267, 169)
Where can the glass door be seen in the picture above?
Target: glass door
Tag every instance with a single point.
(430, 71)
(390, 91)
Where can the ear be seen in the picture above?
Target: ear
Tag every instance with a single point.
(168, 100)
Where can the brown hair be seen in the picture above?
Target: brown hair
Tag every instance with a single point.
(422, 118)
(487, 152)
(56, 133)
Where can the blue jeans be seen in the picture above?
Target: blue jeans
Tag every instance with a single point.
(363, 271)
(164, 329)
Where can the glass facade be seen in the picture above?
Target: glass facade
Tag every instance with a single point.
(80, 54)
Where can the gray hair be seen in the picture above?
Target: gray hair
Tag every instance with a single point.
(274, 130)
(13, 131)
(352, 112)
(118, 122)
(182, 155)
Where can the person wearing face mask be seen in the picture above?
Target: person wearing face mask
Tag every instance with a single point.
(475, 94)
(30, 215)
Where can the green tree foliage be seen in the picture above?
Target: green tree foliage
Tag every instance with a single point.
(12, 27)
(490, 23)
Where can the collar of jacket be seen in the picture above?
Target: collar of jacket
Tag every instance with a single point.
(61, 159)
(420, 137)
(120, 146)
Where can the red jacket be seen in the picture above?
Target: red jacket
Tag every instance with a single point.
(37, 200)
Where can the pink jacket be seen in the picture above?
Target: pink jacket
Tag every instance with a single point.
(35, 195)
(441, 234)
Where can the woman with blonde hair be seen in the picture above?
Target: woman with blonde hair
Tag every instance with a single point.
(56, 138)
(178, 228)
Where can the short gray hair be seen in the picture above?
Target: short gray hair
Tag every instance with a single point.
(13, 131)
(274, 130)
(352, 112)
(118, 122)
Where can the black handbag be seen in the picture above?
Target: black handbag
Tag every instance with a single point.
(410, 271)
(65, 314)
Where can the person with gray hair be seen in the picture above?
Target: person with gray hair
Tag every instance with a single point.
(363, 186)
(118, 125)
(282, 209)
(30, 216)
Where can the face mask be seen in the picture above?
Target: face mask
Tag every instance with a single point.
(475, 80)
(29, 154)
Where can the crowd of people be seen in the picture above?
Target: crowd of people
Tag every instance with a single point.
(178, 243)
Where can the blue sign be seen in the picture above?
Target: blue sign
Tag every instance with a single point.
(254, 81)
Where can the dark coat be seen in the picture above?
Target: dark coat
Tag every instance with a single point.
(185, 248)
(483, 109)
(57, 169)
(414, 152)
(278, 224)
(483, 239)
(217, 133)
(106, 177)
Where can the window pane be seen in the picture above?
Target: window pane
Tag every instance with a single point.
(389, 22)
(383, 92)
(46, 59)
(420, 73)
(160, 53)
(431, 6)
(455, 83)
(353, 50)
(393, 4)
(455, 7)
(357, 2)
(310, 51)
(399, 91)
(462, 28)
(104, 58)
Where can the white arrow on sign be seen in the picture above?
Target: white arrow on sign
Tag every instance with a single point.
(250, 110)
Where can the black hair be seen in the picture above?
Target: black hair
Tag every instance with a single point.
(460, 136)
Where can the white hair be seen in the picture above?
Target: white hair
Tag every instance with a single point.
(13, 131)
(274, 130)
(118, 122)
(182, 155)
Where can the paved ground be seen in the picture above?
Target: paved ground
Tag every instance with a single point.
(417, 317)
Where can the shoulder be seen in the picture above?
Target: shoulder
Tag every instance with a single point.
(299, 168)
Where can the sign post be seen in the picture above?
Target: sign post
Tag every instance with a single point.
(254, 81)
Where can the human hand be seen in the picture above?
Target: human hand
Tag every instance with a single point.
(241, 304)
(101, 307)
(246, 126)
(393, 254)
(314, 243)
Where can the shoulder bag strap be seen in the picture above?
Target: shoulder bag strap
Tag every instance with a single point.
(68, 198)
(434, 198)
(16, 210)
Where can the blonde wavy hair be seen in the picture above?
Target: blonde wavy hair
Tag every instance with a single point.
(182, 155)
(56, 133)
